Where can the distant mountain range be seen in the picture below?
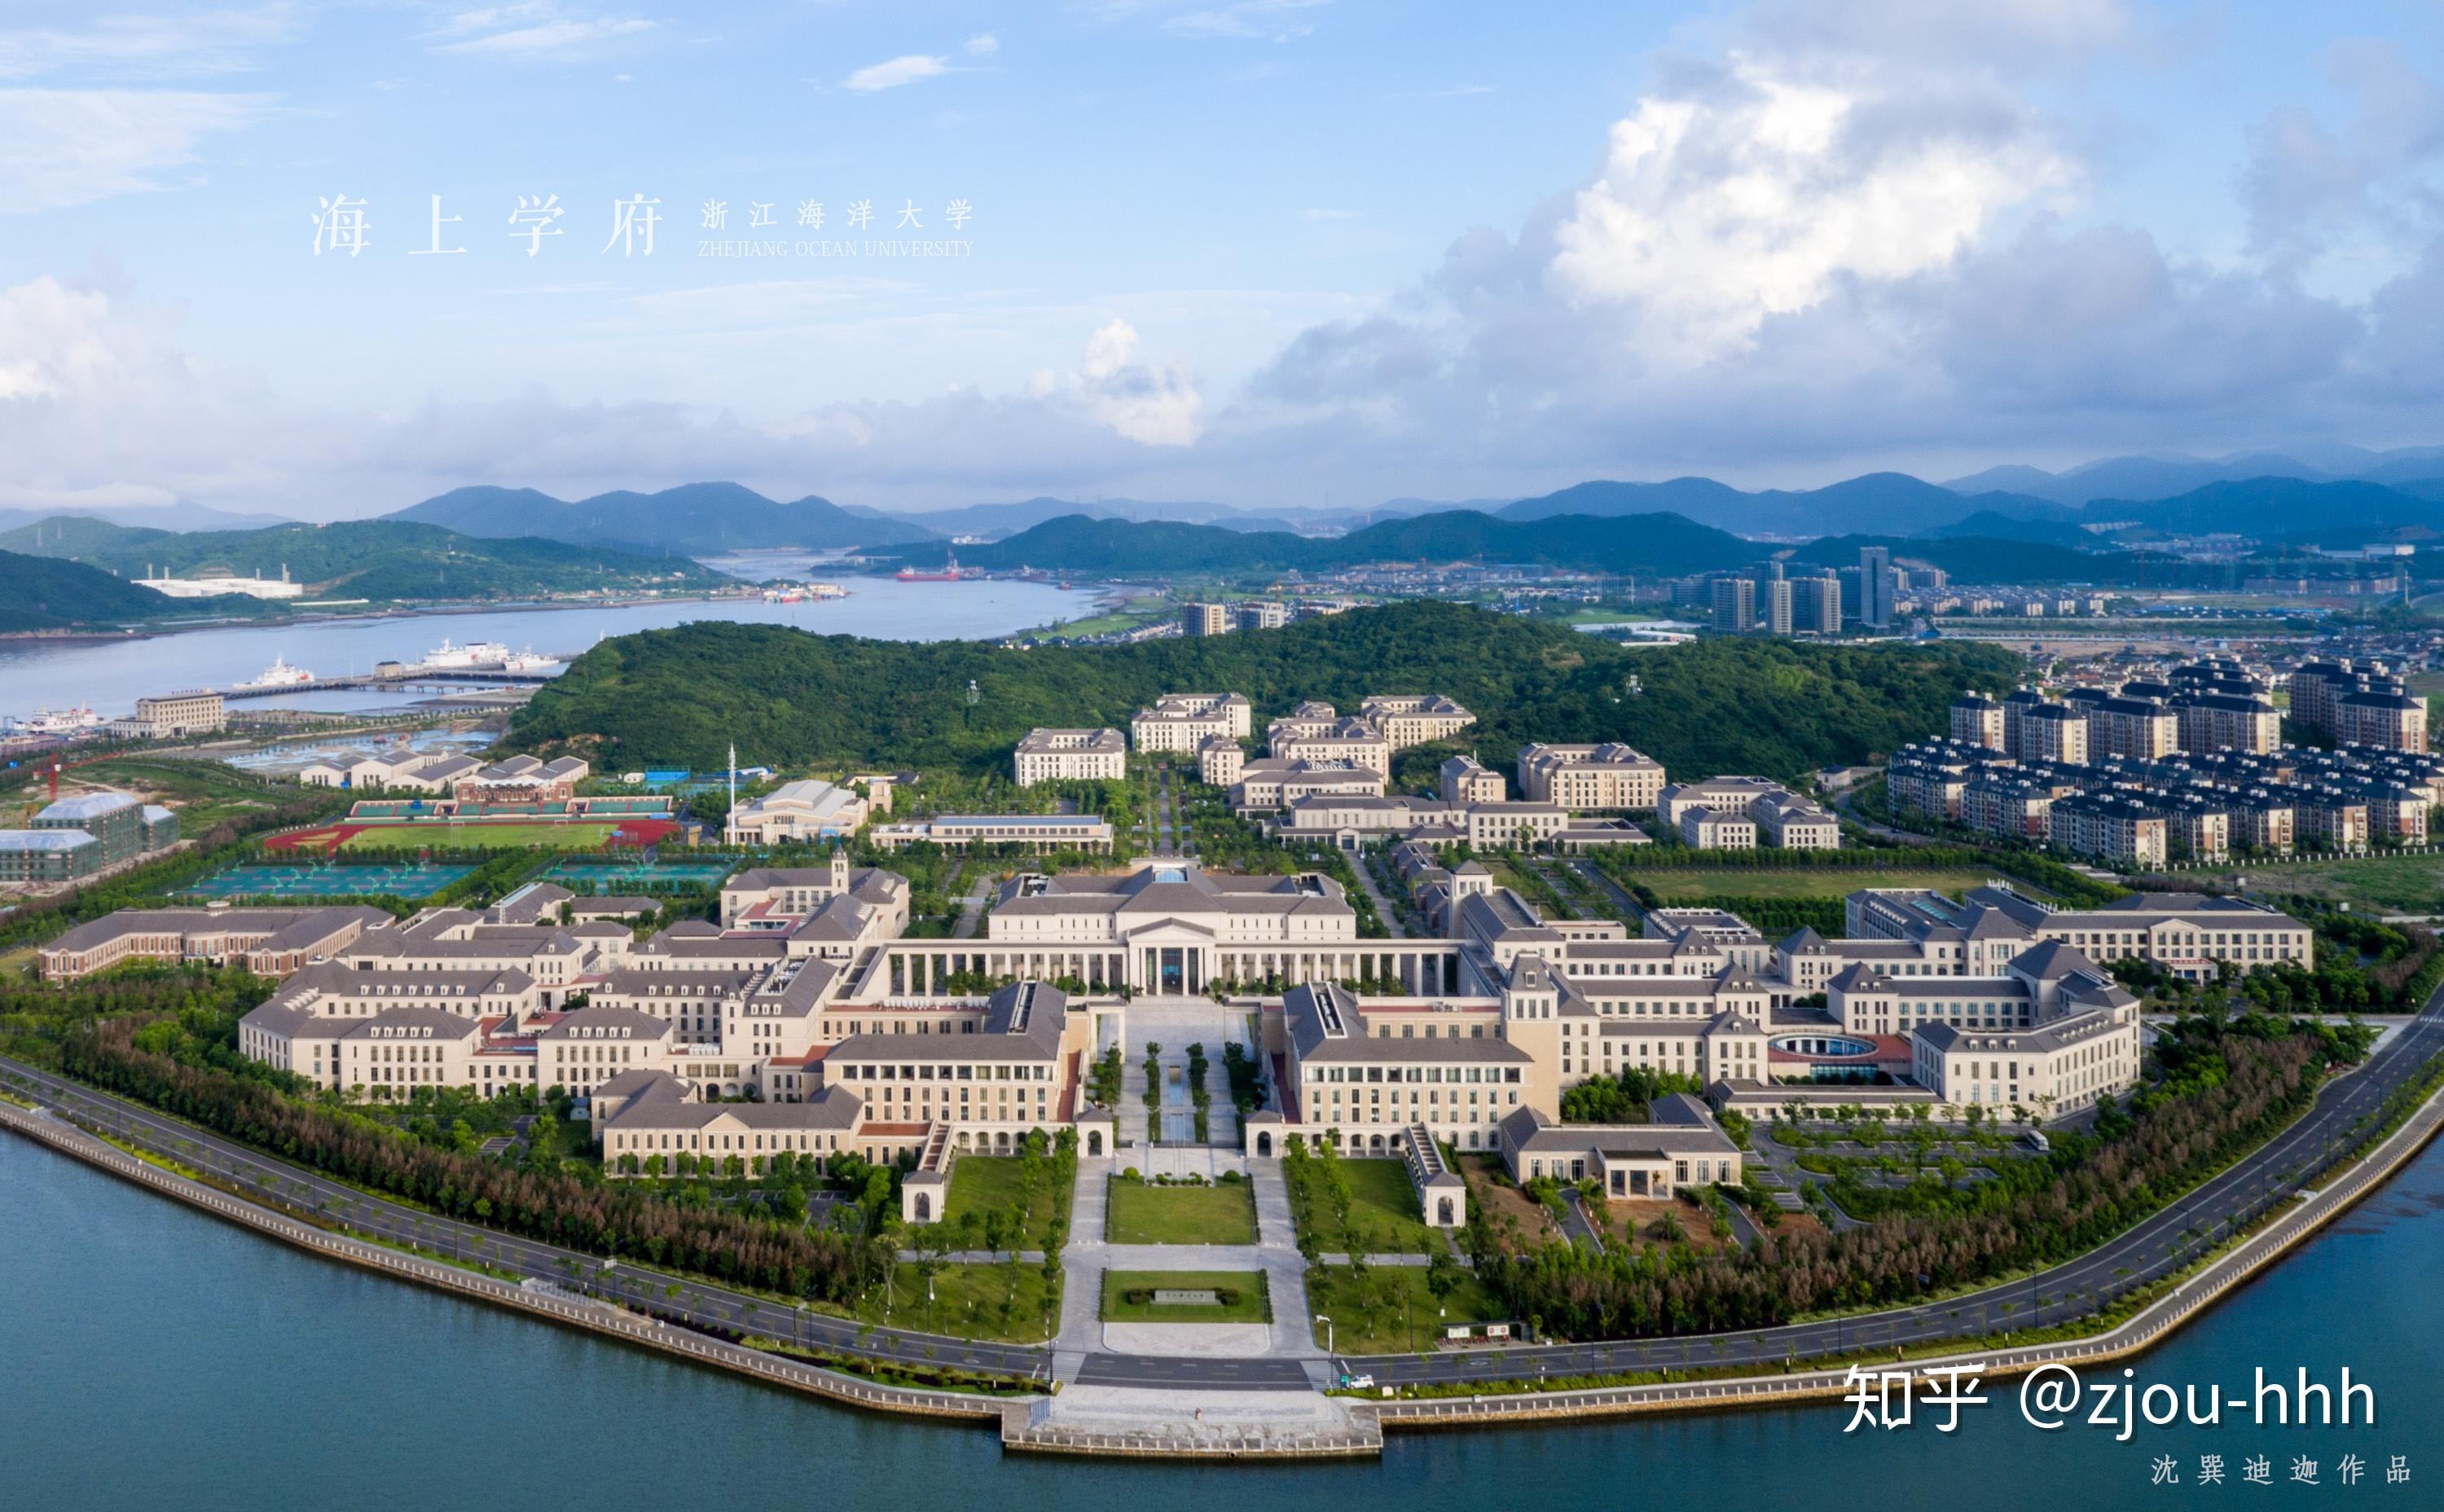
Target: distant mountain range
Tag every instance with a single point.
(1662, 544)
(694, 519)
(2330, 494)
(2166, 475)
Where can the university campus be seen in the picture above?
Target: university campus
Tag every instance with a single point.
(1246, 1077)
(1361, 754)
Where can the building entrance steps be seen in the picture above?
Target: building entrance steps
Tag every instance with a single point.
(1183, 1420)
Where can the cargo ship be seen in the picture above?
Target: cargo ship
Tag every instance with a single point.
(950, 572)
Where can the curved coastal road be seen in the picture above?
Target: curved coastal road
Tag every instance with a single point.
(701, 1303)
(2160, 1244)
(2154, 1247)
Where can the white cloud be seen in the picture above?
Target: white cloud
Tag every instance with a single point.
(1258, 20)
(1154, 406)
(1753, 195)
(897, 71)
(532, 29)
(60, 147)
(153, 46)
(1315, 214)
(983, 44)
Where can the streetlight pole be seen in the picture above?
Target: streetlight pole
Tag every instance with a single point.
(1327, 1333)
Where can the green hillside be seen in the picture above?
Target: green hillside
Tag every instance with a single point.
(38, 594)
(366, 559)
(788, 698)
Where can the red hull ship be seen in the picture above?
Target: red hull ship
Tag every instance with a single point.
(950, 572)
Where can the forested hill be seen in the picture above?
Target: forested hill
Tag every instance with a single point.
(37, 593)
(366, 559)
(794, 700)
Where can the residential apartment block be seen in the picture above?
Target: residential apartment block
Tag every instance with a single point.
(1590, 777)
(1072, 755)
(1184, 722)
(1739, 813)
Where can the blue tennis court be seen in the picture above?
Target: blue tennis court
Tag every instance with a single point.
(345, 879)
(645, 875)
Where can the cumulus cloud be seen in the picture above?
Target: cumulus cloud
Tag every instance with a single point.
(62, 147)
(1155, 406)
(896, 72)
(1751, 196)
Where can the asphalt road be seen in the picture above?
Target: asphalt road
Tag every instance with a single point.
(2161, 1244)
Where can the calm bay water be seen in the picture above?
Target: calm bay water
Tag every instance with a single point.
(110, 675)
(153, 1357)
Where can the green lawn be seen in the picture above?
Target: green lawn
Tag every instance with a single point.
(1393, 1310)
(1383, 1214)
(1140, 1214)
(481, 837)
(1671, 883)
(1009, 1304)
(985, 1183)
(2390, 884)
(1250, 1302)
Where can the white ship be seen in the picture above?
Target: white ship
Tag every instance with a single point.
(528, 660)
(475, 654)
(65, 722)
(280, 675)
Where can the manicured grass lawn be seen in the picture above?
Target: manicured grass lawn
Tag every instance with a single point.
(1670, 882)
(2392, 884)
(1139, 1214)
(1392, 1311)
(1383, 1214)
(1252, 1303)
(481, 837)
(1384, 1209)
(19, 964)
(969, 1301)
(981, 1183)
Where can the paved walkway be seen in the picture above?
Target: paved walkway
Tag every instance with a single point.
(1089, 1255)
(972, 913)
(1383, 908)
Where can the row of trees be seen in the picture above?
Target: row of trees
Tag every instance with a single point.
(604, 1218)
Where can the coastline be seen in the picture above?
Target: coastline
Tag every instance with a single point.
(1369, 1418)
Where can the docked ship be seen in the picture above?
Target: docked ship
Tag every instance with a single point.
(279, 674)
(475, 653)
(75, 721)
(528, 660)
(950, 572)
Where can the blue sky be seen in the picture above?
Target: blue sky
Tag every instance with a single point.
(1267, 252)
